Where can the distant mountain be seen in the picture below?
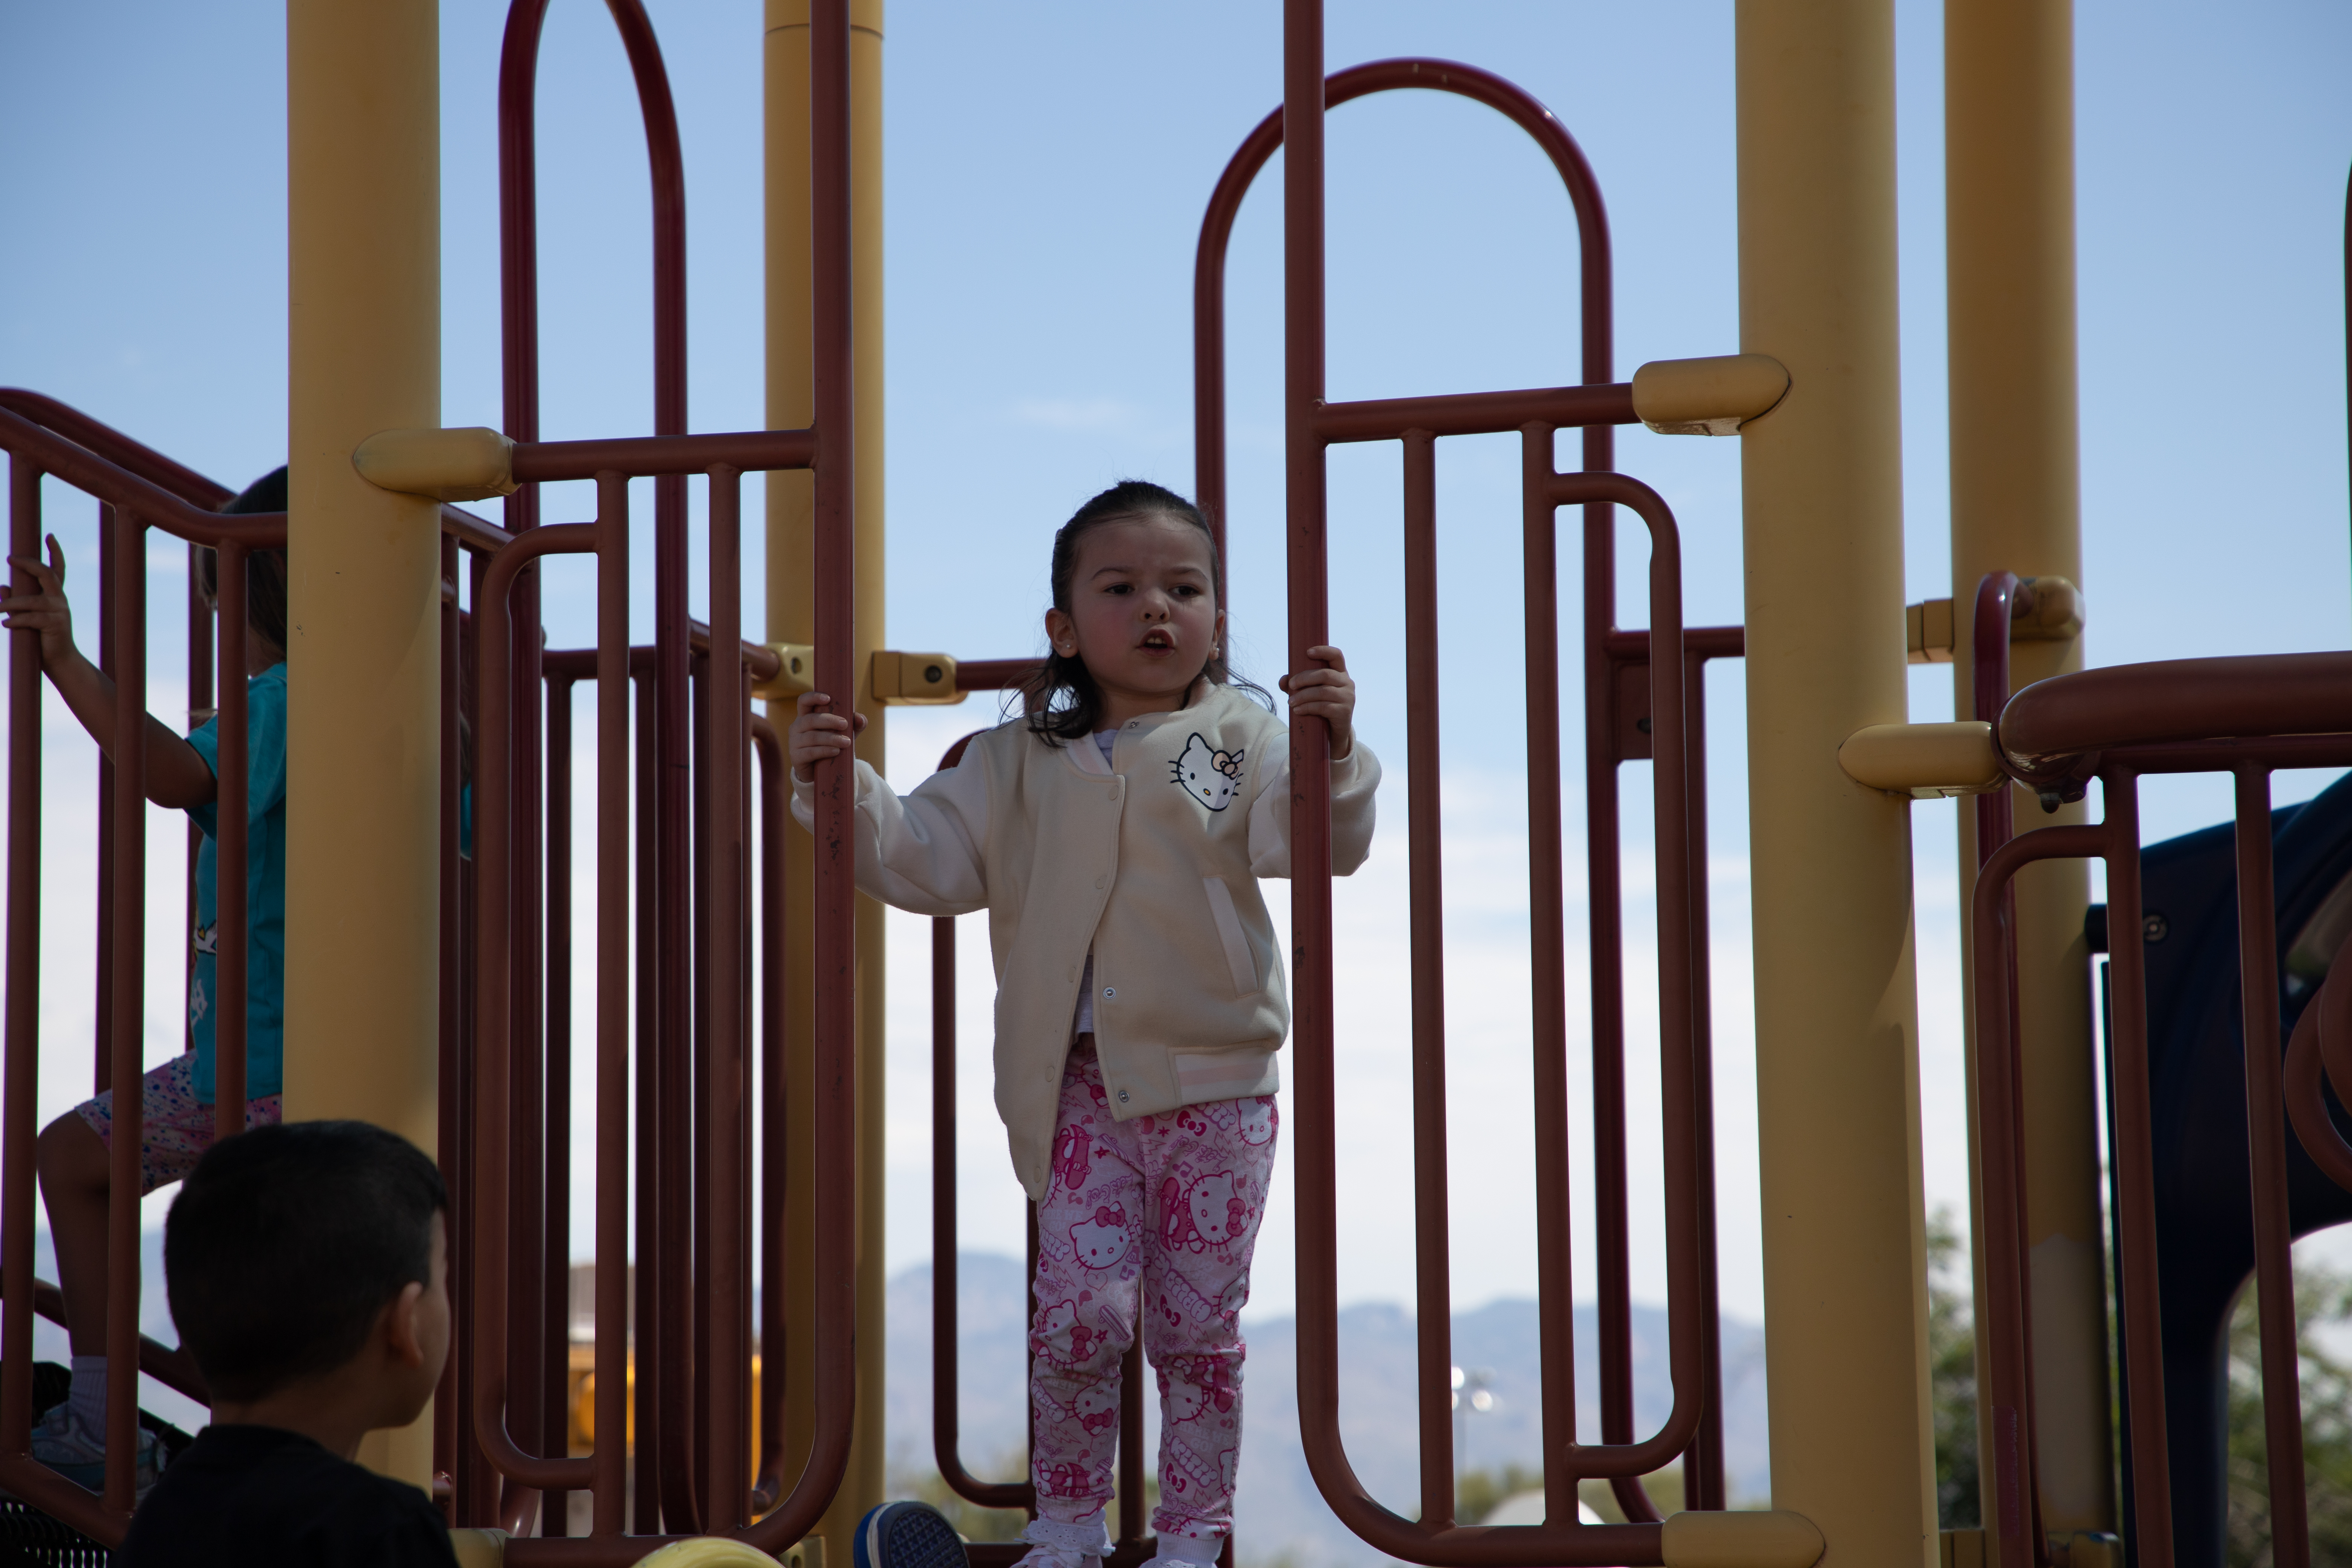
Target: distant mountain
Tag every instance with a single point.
(1279, 1512)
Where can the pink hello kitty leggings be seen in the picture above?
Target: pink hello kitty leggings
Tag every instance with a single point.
(1159, 1211)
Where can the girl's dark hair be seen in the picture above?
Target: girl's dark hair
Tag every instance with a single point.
(264, 570)
(1061, 699)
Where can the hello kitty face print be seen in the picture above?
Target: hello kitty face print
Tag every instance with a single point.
(1209, 776)
(1101, 1241)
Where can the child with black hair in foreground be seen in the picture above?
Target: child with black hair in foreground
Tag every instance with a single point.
(308, 1267)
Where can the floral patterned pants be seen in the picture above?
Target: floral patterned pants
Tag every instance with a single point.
(1161, 1213)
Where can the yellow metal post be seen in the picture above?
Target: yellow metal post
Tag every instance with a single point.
(792, 618)
(2009, 193)
(363, 666)
(1836, 1007)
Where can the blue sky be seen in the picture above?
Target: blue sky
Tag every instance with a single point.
(1047, 167)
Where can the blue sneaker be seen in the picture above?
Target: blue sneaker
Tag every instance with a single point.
(908, 1535)
(65, 1448)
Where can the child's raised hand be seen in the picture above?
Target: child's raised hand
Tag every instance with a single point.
(44, 609)
(1329, 694)
(819, 734)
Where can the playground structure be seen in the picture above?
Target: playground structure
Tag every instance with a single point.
(450, 994)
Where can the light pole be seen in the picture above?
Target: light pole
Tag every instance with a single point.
(1471, 1394)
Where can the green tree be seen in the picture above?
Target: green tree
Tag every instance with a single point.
(2323, 1301)
(1952, 1373)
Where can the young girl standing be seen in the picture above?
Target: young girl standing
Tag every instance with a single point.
(1115, 833)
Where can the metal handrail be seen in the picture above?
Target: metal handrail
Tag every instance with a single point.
(138, 490)
(1314, 424)
(2117, 725)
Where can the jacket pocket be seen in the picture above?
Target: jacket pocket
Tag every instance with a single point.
(1230, 934)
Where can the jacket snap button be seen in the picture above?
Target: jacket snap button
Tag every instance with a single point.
(1122, 1097)
(1110, 992)
(1100, 880)
(1114, 792)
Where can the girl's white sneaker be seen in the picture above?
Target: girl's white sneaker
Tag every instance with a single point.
(1053, 1544)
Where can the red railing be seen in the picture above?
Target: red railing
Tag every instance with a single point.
(1627, 718)
(1622, 713)
(137, 490)
(2246, 717)
(689, 1321)
(506, 958)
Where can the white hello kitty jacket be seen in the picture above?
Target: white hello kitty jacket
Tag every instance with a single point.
(1151, 862)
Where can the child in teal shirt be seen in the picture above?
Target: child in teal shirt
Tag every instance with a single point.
(177, 1118)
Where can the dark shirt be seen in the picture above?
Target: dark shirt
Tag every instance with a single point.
(243, 1495)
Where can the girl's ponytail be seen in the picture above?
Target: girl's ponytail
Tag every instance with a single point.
(1060, 700)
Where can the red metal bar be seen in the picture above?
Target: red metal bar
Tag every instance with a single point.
(538, 1257)
(609, 1498)
(1703, 1477)
(728, 913)
(947, 1448)
(1225, 204)
(2142, 1353)
(231, 820)
(1432, 1247)
(477, 1480)
(1671, 806)
(20, 1012)
(117, 487)
(1548, 934)
(1134, 1517)
(102, 1041)
(449, 1126)
(702, 1238)
(494, 1013)
(773, 815)
(129, 1038)
(647, 1292)
(1316, 1149)
(2016, 1428)
(2306, 1106)
(579, 663)
(2181, 699)
(556, 1300)
(2258, 967)
(200, 698)
(519, 238)
(753, 451)
(113, 447)
(1476, 413)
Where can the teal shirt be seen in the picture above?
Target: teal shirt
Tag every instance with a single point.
(265, 894)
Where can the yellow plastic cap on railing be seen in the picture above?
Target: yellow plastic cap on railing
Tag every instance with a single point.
(708, 1551)
(914, 679)
(470, 464)
(1711, 396)
(1926, 761)
(1775, 1540)
(479, 1548)
(795, 672)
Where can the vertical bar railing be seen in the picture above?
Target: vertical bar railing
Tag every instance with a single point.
(1610, 734)
(2247, 718)
(137, 490)
(20, 1013)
